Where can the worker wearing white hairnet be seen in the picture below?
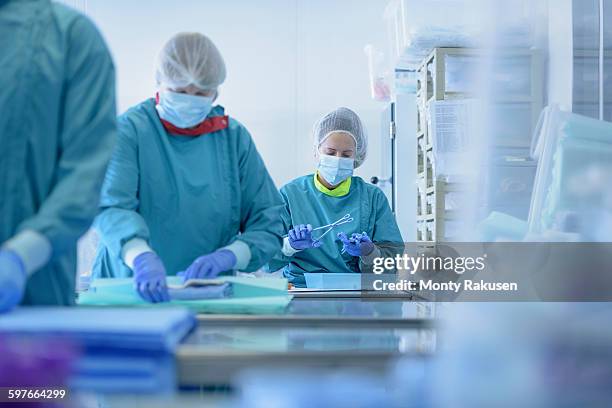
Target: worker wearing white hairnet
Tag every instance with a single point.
(190, 59)
(186, 190)
(318, 199)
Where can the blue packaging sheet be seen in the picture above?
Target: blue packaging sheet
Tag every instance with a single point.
(123, 328)
(248, 296)
(120, 374)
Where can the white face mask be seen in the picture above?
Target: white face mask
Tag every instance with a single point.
(183, 110)
(335, 169)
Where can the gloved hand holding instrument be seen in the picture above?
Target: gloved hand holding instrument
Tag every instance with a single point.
(357, 244)
(300, 237)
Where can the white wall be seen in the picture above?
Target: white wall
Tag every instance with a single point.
(289, 62)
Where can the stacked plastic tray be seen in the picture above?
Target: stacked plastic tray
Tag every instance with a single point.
(469, 157)
(435, 218)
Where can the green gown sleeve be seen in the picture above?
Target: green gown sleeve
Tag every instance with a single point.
(385, 227)
(119, 220)
(260, 226)
(280, 260)
(87, 135)
(386, 234)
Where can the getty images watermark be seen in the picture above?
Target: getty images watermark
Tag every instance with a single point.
(459, 265)
(514, 271)
(412, 265)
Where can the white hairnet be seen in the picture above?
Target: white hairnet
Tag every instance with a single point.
(190, 59)
(343, 120)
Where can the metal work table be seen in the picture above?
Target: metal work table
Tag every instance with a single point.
(325, 294)
(312, 333)
(337, 312)
(299, 294)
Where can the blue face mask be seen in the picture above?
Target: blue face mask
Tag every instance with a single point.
(183, 110)
(335, 169)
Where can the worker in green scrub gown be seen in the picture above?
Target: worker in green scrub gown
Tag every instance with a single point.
(324, 197)
(186, 190)
(57, 130)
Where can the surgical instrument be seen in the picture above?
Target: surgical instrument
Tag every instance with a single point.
(341, 221)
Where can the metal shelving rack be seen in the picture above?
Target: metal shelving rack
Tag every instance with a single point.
(432, 85)
(431, 188)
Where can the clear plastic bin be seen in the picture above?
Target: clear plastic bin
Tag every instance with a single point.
(348, 281)
(511, 124)
(572, 190)
(414, 27)
(455, 201)
(518, 211)
(511, 77)
(510, 183)
(453, 230)
(405, 81)
(453, 133)
(460, 73)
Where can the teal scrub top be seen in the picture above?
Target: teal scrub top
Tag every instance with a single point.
(57, 129)
(305, 204)
(186, 196)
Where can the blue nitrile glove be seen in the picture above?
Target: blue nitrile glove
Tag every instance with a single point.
(150, 278)
(12, 280)
(357, 245)
(300, 237)
(211, 265)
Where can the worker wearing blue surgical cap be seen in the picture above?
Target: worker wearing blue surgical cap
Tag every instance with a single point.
(57, 130)
(186, 190)
(324, 197)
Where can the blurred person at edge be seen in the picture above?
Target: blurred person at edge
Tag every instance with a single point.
(57, 129)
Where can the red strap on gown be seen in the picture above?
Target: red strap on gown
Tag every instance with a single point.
(209, 125)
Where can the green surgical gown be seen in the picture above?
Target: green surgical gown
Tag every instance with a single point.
(186, 196)
(305, 204)
(57, 129)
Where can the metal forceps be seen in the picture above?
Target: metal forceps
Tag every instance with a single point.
(344, 220)
(341, 221)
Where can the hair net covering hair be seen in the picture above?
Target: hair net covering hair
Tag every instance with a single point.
(190, 59)
(343, 120)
